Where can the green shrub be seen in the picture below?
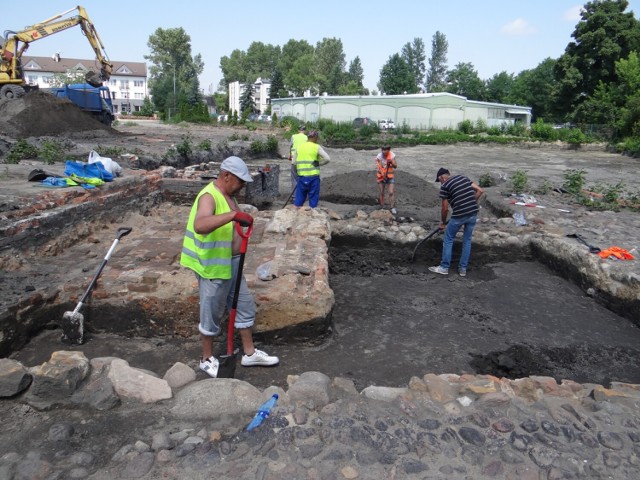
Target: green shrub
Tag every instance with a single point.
(630, 146)
(109, 152)
(613, 193)
(517, 130)
(51, 152)
(543, 131)
(184, 147)
(21, 150)
(205, 145)
(519, 181)
(271, 144)
(574, 181)
(481, 126)
(544, 188)
(486, 180)
(257, 146)
(576, 137)
(466, 126)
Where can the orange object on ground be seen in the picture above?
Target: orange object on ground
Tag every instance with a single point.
(619, 253)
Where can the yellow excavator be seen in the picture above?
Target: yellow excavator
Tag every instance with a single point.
(14, 44)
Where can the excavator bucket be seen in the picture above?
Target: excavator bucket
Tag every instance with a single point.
(93, 79)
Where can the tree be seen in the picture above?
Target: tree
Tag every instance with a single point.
(437, 74)
(354, 78)
(291, 51)
(604, 35)
(329, 65)
(300, 77)
(147, 107)
(414, 56)
(171, 53)
(396, 77)
(247, 104)
(261, 61)
(536, 88)
(234, 68)
(221, 101)
(71, 76)
(464, 80)
(617, 105)
(277, 85)
(498, 87)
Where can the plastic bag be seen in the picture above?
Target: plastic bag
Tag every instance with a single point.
(110, 165)
(264, 272)
(520, 219)
(87, 170)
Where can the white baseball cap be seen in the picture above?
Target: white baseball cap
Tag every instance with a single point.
(236, 166)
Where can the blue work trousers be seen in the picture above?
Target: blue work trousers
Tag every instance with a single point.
(308, 187)
(454, 225)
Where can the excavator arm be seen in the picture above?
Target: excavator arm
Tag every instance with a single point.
(14, 44)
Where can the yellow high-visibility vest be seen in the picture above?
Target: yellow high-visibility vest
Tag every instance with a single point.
(307, 154)
(208, 255)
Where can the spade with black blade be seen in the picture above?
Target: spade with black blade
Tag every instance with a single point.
(73, 322)
(413, 256)
(227, 368)
(592, 248)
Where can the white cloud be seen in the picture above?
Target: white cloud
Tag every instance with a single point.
(519, 26)
(573, 14)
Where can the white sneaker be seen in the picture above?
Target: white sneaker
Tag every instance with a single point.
(259, 359)
(210, 366)
(394, 211)
(440, 270)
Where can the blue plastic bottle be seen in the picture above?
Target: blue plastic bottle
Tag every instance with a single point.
(263, 412)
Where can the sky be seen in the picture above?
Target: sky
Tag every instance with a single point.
(492, 35)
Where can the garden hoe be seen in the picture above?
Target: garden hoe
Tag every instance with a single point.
(73, 322)
(227, 368)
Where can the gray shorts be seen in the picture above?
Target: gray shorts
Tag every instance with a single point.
(216, 296)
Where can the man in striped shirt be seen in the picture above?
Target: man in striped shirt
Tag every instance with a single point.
(462, 194)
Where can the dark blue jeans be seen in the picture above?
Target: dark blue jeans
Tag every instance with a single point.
(454, 225)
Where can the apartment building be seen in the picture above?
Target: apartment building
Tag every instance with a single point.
(128, 83)
(261, 95)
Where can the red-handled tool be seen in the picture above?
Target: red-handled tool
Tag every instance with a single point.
(228, 362)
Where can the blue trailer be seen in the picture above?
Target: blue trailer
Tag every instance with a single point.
(93, 100)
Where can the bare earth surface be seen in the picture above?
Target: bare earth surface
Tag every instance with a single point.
(393, 319)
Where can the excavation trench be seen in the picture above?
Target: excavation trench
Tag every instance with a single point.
(511, 316)
(519, 312)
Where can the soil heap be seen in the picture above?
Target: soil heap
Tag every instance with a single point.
(39, 114)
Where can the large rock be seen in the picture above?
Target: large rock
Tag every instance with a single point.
(135, 384)
(55, 381)
(97, 391)
(14, 377)
(220, 398)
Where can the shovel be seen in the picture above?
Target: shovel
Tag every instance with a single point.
(227, 367)
(413, 256)
(73, 322)
(592, 249)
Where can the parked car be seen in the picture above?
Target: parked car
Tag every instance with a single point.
(386, 124)
(361, 121)
(264, 118)
(253, 117)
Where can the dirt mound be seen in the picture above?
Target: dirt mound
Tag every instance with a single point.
(39, 114)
